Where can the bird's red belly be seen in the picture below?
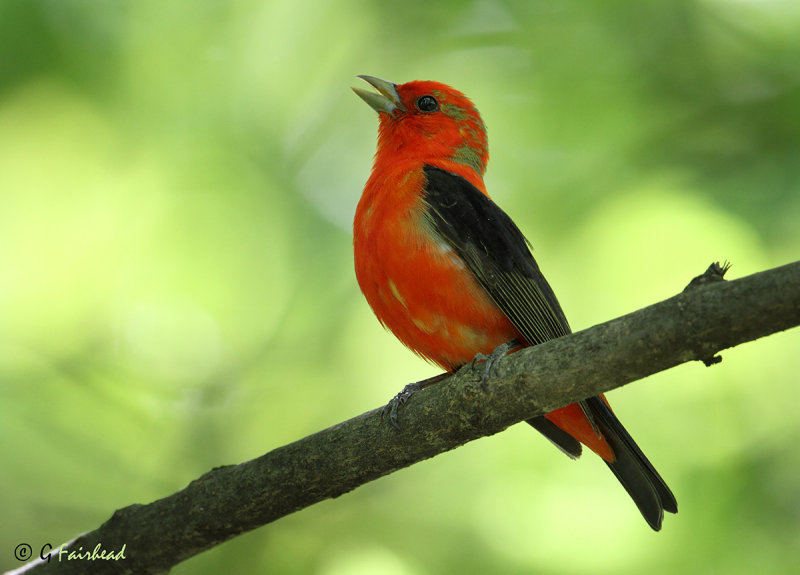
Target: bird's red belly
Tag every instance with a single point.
(427, 298)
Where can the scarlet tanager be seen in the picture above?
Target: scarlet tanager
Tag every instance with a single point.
(450, 274)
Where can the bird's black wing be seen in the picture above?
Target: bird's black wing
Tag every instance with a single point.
(496, 252)
(498, 255)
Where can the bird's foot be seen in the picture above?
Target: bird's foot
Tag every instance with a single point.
(491, 361)
(404, 396)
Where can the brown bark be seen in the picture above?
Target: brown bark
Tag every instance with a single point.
(711, 315)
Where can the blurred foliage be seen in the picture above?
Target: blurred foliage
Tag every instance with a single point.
(177, 184)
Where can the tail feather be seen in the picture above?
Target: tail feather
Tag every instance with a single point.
(560, 438)
(633, 470)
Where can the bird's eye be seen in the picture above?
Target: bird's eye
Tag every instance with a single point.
(427, 104)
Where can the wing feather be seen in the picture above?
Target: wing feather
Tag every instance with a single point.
(496, 252)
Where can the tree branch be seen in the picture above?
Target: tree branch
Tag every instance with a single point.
(708, 317)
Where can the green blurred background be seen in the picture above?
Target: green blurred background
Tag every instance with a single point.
(177, 185)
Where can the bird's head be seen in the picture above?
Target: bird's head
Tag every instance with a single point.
(428, 121)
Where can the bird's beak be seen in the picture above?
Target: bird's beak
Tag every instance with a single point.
(388, 100)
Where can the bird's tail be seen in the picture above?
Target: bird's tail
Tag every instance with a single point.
(637, 475)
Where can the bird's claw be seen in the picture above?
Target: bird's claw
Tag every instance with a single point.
(491, 361)
(398, 400)
(404, 396)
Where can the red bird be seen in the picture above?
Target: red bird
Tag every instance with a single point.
(450, 274)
